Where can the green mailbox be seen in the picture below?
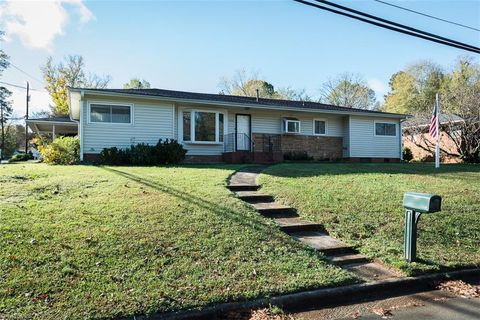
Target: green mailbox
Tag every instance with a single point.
(415, 204)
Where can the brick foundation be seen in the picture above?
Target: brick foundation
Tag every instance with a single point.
(91, 157)
(318, 147)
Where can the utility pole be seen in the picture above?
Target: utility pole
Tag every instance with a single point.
(26, 118)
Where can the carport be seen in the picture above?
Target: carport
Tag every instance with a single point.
(53, 126)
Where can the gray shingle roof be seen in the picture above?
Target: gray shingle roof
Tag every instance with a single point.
(161, 93)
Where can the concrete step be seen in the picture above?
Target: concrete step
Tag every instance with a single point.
(322, 242)
(243, 187)
(254, 196)
(273, 209)
(371, 271)
(301, 227)
(348, 258)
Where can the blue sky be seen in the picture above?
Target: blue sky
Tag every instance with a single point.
(190, 45)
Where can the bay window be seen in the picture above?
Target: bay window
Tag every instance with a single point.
(203, 126)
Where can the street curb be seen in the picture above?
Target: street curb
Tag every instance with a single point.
(327, 297)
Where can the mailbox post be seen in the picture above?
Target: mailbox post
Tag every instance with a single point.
(415, 204)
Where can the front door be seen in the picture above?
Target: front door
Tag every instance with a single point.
(242, 126)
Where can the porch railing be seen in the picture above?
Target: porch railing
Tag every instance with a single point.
(237, 142)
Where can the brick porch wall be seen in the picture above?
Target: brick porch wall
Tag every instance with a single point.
(319, 147)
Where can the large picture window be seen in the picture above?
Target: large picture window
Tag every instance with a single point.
(385, 129)
(110, 113)
(203, 126)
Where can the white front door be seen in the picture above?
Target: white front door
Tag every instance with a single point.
(243, 131)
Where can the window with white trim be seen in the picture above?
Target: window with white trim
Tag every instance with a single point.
(385, 129)
(319, 127)
(203, 126)
(291, 125)
(106, 113)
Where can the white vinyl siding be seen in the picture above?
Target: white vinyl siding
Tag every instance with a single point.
(364, 142)
(150, 122)
(271, 122)
(346, 137)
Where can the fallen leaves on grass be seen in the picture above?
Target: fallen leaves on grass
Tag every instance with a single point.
(460, 288)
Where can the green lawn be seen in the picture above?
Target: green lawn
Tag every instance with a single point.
(98, 242)
(362, 204)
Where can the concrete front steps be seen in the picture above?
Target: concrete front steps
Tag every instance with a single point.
(314, 235)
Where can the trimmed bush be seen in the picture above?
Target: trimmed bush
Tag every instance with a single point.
(20, 157)
(63, 150)
(407, 154)
(164, 152)
(297, 156)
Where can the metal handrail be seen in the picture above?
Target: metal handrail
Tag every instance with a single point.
(230, 142)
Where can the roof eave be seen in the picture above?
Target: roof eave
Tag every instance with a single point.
(239, 105)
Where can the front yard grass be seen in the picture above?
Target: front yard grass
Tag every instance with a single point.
(362, 204)
(98, 242)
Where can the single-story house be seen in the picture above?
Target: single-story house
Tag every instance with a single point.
(217, 127)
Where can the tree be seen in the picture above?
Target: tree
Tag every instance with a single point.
(244, 84)
(5, 104)
(460, 108)
(136, 83)
(460, 95)
(413, 90)
(70, 73)
(348, 90)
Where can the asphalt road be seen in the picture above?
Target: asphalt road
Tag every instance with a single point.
(439, 305)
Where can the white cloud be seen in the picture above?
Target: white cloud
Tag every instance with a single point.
(39, 101)
(38, 23)
(378, 86)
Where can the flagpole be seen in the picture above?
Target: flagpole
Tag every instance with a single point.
(437, 124)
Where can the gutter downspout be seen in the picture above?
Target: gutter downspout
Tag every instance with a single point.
(79, 123)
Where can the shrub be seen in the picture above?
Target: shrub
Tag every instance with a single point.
(20, 157)
(297, 156)
(407, 154)
(63, 150)
(164, 152)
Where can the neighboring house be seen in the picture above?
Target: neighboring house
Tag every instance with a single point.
(418, 140)
(214, 127)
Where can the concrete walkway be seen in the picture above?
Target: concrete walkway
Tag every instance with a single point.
(244, 183)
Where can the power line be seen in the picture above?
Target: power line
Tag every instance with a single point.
(433, 38)
(27, 74)
(427, 15)
(21, 87)
(395, 24)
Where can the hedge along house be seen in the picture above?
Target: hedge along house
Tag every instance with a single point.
(215, 127)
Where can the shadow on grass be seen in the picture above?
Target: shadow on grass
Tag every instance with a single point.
(312, 169)
(216, 208)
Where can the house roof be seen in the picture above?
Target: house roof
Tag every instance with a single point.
(241, 100)
(52, 119)
(423, 121)
(59, 125)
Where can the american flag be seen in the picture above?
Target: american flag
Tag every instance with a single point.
(433, 123)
